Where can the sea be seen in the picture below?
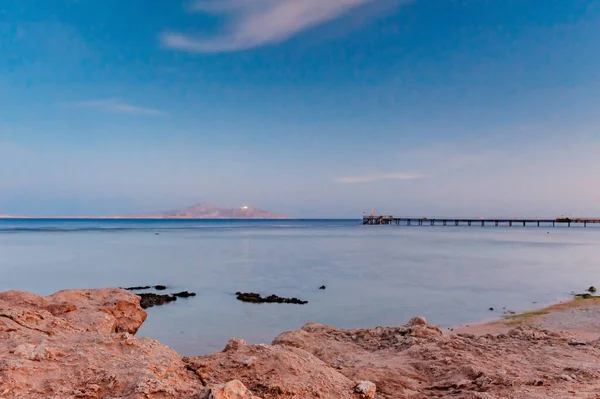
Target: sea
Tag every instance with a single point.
(374, 275)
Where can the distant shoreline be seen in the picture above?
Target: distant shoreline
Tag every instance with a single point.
(5, 217)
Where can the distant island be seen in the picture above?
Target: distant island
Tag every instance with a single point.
(203, 210)
(207, 210)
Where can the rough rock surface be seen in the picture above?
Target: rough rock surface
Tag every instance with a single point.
(231, 390)
(272, 371)
(105, 311)
(77, 344)
(418, 361)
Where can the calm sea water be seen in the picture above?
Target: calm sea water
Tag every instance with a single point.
(375, 275)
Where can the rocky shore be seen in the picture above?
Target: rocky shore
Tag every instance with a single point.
(81, 344)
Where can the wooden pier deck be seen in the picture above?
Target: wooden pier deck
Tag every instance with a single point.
(415, 221)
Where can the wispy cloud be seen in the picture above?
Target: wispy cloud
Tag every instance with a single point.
(115, 105)
(379, 177)
(252, 23)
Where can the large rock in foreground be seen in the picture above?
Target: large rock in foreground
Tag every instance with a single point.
(78, 344)
(105, 311)
(418, 361)
(273, 371)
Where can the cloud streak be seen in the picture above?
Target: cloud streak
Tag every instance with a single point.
(379, 177)
(253, 23)
(115, 105)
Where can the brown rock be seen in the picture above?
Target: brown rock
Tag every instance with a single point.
(366, 389)
(107, 310)
(232, 390)
(273, 372)
(418, 361)
(76, 344)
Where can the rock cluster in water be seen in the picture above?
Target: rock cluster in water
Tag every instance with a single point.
(149, 300)
(252, 297)
(159, 287)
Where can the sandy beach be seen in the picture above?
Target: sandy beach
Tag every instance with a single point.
(81, 344)
(579, 317)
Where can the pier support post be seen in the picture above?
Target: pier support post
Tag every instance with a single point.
(524, 223)
(483, 223)
(496, 223)
(456, 222)
(538, 223)
(510, 223)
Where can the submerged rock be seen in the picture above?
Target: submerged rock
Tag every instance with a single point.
(592, 289)
(184, 294)
(252, 297)
(139, 288)
(149, 300)
(158, 287)
(322, 287)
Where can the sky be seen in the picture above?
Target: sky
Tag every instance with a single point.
(315, 108)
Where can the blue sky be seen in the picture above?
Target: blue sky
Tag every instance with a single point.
(315, 108)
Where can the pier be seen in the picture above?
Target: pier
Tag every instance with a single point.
(482, 222)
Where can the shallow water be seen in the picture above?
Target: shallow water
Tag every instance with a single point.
(375, 275)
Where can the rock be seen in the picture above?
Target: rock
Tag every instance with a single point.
(250, 361)
(491, 309)
(592, 289)
(106, 311)
(184, 294)
(139, 288)
(233, 344)
(584, 296)
(257, 298)
(322, 287)
(160, 287)
(366, 389)
(415, 361)
(149, 300)
(275, 372)
(78, 344)
(417, 321)
(231, 390)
